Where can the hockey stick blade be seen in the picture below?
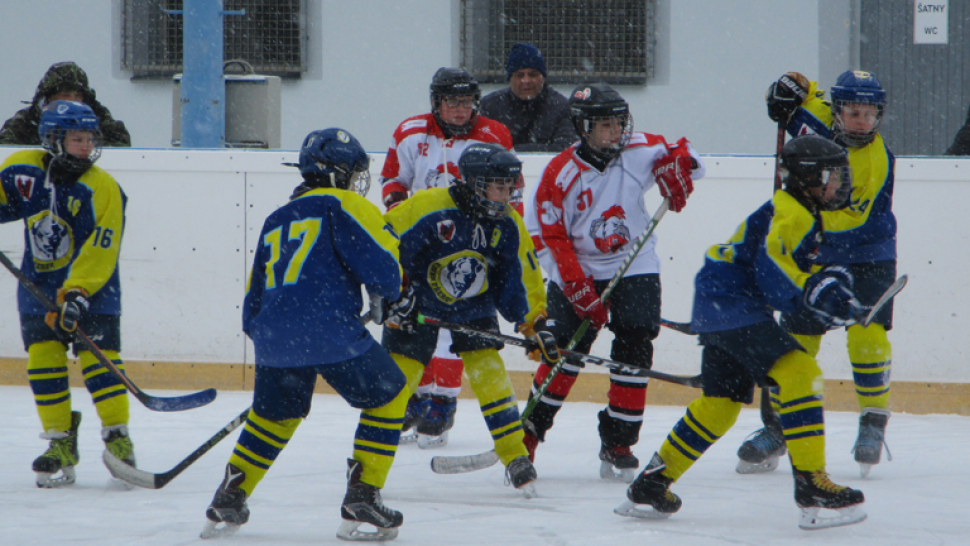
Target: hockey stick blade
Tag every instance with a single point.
(682, 327)
(467, 463)
(154, 403)
(148, 480)
(890, 293)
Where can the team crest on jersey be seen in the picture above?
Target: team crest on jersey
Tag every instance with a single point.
(25, 185)
(440, 178)
(446, 231)
(496, 237)
(459, 276)
(609, 232)
(51, 241)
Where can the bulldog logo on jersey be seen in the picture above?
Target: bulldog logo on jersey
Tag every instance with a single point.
(459, 276)
(446, 231)
(442, 178)
(51, 241)
(25, 185)
(609, 233)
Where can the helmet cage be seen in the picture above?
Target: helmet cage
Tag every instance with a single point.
(495, 209)
(487, 168)
(454, 82)
(856, 88)
(818, 169)
(62, 117)
(584, 127)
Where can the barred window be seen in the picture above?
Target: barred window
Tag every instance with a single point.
(271, 36)
(581, 40)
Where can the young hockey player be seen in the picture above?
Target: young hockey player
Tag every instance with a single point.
(424, 154)
(302, 312)
(467, 255)
(861, 237)
(74, 215)
(584, 217)
(765, 266)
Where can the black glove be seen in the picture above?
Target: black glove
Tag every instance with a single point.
(828, 294)
(72, 305)
(785, 95)
(403, 313)
(547, 350)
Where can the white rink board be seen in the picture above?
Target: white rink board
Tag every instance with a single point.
(193, 217)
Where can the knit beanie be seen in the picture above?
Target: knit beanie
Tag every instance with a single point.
(525, 56)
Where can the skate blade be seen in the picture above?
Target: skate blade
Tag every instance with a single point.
(212, 531)
(609, 472)
(810, 520)
(46, 480)
(864, 470)
(432, 442)
(630, 510)
(529, 490)
(350, 530)
(408, 439)
(744, 467)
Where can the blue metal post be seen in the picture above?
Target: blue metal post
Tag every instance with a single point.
(203, 88)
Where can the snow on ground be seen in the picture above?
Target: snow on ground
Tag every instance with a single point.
(918, 498)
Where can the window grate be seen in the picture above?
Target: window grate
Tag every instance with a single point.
(271, 36)
(581, 40)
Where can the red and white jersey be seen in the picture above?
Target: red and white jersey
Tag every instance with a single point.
(420, 156)
(583, 222)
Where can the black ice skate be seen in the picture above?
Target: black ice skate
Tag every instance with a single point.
(418, 406)
(362, 504)
(118, 443)
(814, 491)
(872, 438)
(618, 463)
(228, 506)
(650, 488)
(433, 428)
(61, 456)
(761, 450)
(522, 475)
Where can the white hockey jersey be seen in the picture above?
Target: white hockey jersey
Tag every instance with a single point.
(583, 222)
(420, 156)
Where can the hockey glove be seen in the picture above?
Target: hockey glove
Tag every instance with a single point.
(828, 295)
(586, 302)
(547, 350)
(71, 306)
(672, 173)
(786, 95)
(403, 313)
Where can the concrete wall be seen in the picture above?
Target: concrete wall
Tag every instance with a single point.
(193, 217)
(370, 63)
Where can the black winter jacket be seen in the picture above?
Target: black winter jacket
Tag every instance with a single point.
(539, 125)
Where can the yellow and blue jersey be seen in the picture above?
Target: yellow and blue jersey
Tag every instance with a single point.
(303, 302)
(761, 268)
(865, 231)
(464, 268)
(73, 231)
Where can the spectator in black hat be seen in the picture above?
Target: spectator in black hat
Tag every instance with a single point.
(536, 114)
(961, 142)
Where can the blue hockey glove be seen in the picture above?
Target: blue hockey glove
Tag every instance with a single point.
(828, 295)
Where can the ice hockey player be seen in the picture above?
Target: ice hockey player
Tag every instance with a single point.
(423, 154)
(766, 265)
(584, 217)
(74, 215)
(861, 237)
(467, 255)
(302, 312)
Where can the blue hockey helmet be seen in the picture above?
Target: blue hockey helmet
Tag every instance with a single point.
(491, 178)
(334, 158)
(816, 169)
(857, 88)
(57, 120)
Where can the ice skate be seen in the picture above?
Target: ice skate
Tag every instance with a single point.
(814, 491)
(522, 475)
(433, 428)
(418, 406)
(650, 488)
(618, 463)
(760, 451)
(872, 438)
(118, 443)
(61, 456)
(228, 506)
(363, 505)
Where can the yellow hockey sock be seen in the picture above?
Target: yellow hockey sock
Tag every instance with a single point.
(802, 417)
(107, 391)
(706, 420)
(872, 358)
(47, 374)
(413, 370)
(258, 447)
(493, 388)
(375, 442)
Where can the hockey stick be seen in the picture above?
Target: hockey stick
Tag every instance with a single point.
(682, 327)
(778, 146)
(154, 403)
(149, 480)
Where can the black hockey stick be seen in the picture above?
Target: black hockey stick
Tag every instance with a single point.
(154, 403)
(572, 356)
(149, 480)
(682, 327)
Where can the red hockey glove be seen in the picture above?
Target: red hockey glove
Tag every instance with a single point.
(586, 302)
(672, 173)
